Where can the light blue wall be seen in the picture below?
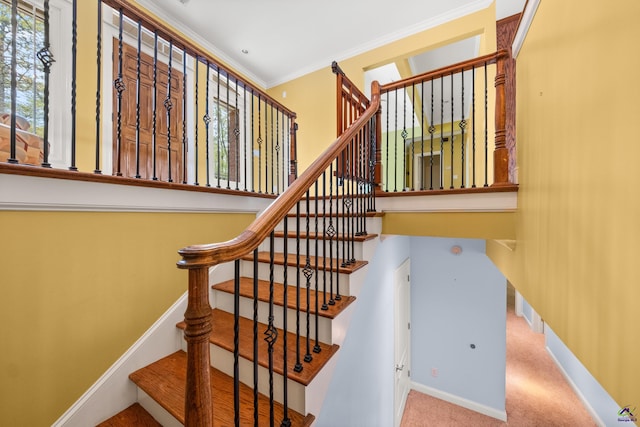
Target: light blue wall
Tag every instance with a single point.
(602, 405)
(527, 312)
(456, 301)
(361, 390)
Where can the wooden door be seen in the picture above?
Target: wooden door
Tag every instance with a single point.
(128, 164)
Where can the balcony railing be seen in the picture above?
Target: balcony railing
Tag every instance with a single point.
(165, 110)
(435, 131)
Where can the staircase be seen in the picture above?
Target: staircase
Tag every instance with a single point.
(161, 385)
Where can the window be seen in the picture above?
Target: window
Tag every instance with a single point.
(224, 129)
(29, 69)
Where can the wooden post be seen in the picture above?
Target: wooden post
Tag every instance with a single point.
(198, 404)
(501, 153)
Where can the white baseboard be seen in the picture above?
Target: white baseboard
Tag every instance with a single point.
(113, 391)
(577, 391)
(460, 401)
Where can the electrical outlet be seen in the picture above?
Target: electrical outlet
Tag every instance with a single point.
(434, 372)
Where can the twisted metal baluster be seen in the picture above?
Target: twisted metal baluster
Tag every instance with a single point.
(244, 133)
(219, 127)
(272, 148)
(308, 274)
(486, 124)
(286, 422)
(259, 143)
(432, 129)
(197, 66)
(277, 148)
(46, 57)
(452, 140)
(74, 75)
(298, 365)
(441, 132)
(473, 120)
(98, 82)
(138, 54)
(207, 121)
(404, 135)
(184, 116)
(120, 87)
(395, 147)
(253, 178)
(324, 242)
(14, 81)
(271, 332)
(255, 338)
(413, 138)
(168, 104)
(316, 347)
(154, 96)
(463, 125)
(236, 148)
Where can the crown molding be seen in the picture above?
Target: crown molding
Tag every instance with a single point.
(529, 13)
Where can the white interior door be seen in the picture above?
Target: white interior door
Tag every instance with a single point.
(402, 335)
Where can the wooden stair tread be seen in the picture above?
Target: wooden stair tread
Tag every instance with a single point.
(222, 335)
(165, 381)
(278, 259)
(246, 290)
(134, 415)
(323, 236)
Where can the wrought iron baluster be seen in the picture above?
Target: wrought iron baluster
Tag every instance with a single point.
(343, 172)
(395, 145)
(74, 76)
(337, 235)
(266, 147)
(308, 274)
(255, 338)
(236, 148)
(473, 129)
(14, 81)
(316, 347)
(432, 129)
(386, 162)
(120, 87)
(441, 133)
(404, 135)
(413, 139)
(46, 57)
(45, 52)
(227, 143)
(277, 148)
(244, 133)
(372, 165)
(463, 125)
(184, 115)
(331, 232)
(298, 365)
(253, 168)
(422, 135)
(236, 342)
(259, 143)
(168, 104)
(218, 127)
(452, 137)
(207, 121)
(271, 332)
(272, 148)
(486, 134)
(138, 54)
(286, 422)
(324, 242)
(154, 96)
(197, 95)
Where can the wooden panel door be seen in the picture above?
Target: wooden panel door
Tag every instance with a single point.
(128, 164)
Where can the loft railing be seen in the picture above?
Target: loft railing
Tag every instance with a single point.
(164, 110)
(340, 201)
(435, 128)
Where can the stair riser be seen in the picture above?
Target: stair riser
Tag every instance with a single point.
(246, 269)
(329, 248)
(224, 301)
(373, 225)
(156, 410)
(222, 360)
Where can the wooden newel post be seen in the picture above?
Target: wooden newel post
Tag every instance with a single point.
(501, 153)
(198, 403)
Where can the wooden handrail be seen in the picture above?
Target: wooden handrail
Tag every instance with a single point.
(467, 65)
(213, 254)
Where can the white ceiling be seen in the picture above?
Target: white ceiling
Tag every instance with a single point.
(289, 38)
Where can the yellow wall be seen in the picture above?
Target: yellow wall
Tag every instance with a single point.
(313, 96)
(576, 257)
(77, 290)
(470, 225)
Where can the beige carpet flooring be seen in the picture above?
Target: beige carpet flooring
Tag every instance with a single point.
(537, 393)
